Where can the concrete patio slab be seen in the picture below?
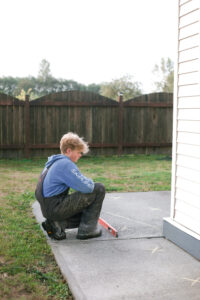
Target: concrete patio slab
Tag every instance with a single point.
(140, 264)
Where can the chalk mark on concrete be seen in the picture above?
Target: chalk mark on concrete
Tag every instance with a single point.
(156, 249)
(155, 209)
(129, 219)
(194, 281)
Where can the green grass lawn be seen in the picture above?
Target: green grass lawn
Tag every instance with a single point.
(27, 267)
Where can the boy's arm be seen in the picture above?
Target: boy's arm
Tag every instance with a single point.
(77, 181)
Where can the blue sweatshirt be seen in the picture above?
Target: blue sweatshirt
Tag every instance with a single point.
(64, 174)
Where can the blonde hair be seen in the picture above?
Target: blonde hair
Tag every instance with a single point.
(74, 142)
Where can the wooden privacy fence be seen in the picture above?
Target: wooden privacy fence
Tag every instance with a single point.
(34, 128)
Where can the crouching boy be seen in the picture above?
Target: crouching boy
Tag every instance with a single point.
(80, 209)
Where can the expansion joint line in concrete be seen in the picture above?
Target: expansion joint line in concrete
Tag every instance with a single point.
(128, 239)
(143, 238)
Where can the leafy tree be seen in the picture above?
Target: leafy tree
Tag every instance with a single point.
(8, 85)
(44, 71)
(25, 84)
(123, 85)
(165, 75)
(35, 87)
(44, 84)
(93, 87)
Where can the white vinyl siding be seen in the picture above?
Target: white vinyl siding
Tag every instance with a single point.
(188, 222)
(189, 114)
(189, 54)
(186, 160)
(188, 150)
(189, 30)
(187, 197)
(189, 18)
(189, 126)
(189, 102)
(188, 7)
(189, 66)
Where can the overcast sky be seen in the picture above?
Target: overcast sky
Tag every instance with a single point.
(90, 41)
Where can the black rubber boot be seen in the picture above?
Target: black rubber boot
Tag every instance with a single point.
(88, 227)
(89, 234)
(54, 230)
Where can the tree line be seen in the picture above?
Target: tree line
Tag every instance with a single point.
(45, 83)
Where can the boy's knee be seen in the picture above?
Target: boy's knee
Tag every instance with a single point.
(99, 187)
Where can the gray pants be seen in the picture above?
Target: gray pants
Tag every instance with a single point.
(71, 210)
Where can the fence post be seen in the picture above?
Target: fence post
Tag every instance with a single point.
(27, 127)
(120, 141)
